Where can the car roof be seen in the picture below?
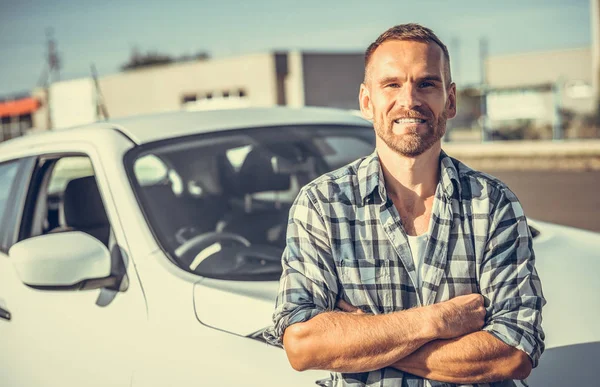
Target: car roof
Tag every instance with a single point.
(144, 129)
(156, 127)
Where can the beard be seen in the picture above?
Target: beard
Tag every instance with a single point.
(412, 144)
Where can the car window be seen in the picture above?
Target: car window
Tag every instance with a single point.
(8, 173)
(219, 203)
(69, 200)
(67, 169)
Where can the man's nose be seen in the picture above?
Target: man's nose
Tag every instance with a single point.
(408, 96)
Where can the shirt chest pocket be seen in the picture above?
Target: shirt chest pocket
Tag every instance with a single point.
(363, 271)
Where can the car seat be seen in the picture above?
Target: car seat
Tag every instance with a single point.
(82, 210)
(259, 221)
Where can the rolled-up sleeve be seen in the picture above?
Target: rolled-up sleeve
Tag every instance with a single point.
(509, 280)
(308, 284)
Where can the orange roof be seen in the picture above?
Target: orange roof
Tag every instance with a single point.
(19, 107)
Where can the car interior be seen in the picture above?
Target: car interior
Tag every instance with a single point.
(82, 209)
(222, 199)
(65, 197)
(237, 194)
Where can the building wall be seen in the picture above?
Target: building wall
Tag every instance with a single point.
(294, 80)
(40, 116)
(567, 68)
(164, 88)
(332, 79)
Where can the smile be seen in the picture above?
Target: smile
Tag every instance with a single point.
(409, 121)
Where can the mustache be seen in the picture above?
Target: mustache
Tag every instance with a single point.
(417, 112)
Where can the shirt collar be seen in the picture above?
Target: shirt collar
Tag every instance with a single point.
(370, 176)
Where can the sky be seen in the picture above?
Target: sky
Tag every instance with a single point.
(105, 32)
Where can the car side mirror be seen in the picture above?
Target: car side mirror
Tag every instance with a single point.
(69, 260)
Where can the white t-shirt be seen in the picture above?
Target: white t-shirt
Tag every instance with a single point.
(417, 247)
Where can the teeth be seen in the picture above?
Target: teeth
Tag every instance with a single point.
(409, 121)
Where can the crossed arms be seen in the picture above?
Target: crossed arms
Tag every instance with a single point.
(456, 341)
(440, 342)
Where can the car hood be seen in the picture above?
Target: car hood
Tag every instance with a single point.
(568, 263)
(567, 260)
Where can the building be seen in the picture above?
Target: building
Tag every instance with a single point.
(557, 89)
(563, 76)
(16, 115)
(292, 78)
(540, 88)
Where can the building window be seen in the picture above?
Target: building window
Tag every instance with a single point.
(25, 122)
(189, 98)
(221, 99)
(15, 126)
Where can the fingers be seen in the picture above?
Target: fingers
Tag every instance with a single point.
(462, 315)
(346, 307)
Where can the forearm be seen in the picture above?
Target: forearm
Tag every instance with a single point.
(347, 342)
(478, 357)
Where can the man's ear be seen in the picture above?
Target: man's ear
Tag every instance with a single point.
(364, 99)
(451, 104)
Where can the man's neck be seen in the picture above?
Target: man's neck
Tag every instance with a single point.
(410, 176)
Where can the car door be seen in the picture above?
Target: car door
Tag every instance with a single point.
(60, 336)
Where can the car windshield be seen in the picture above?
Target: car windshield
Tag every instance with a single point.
(218, 203)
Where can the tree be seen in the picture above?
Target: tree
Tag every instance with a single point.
(153, 58)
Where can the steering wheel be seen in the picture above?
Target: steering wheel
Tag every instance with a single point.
(200, 242)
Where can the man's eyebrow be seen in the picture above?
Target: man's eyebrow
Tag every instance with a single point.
(386, 80)
(430, 78)
(434, 78)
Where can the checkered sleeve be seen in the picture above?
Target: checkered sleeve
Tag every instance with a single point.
(308, 284)
(509, 281)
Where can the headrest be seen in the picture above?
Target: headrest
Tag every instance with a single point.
(262, 172)
(82, 203)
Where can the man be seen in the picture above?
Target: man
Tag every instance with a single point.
(406, 267)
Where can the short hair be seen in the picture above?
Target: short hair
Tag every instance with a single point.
(410, 31)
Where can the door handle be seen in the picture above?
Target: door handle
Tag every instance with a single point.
(4, 314)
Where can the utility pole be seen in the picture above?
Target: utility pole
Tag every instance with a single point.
(51, 72)
(101, 109)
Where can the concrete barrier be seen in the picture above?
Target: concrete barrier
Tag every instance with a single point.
(528, 155)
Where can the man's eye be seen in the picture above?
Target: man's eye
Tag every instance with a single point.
(393, 85)
(426, 84)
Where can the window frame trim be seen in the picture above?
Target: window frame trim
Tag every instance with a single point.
(12, 218)
(33, 194)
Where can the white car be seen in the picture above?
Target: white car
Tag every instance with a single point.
(146, 251)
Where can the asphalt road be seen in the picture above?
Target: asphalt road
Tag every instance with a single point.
(567, 198)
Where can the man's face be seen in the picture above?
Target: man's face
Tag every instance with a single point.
(406, 97)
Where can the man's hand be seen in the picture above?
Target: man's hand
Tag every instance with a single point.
(346, 307)
(460, 316)
(454, 318)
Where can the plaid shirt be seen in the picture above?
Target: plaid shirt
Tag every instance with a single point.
(345, 241)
